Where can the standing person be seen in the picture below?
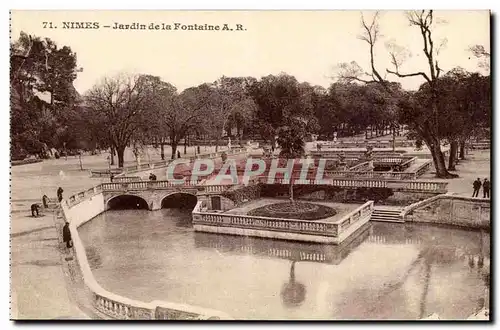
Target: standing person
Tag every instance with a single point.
(67, 235)
(59, 194)
(476, 185)
(45, 201)
(486, 188)
(178, 154)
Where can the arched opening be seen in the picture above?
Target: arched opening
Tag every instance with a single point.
(127, 202)
(179, 201)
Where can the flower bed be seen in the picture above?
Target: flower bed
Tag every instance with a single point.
(295, 210)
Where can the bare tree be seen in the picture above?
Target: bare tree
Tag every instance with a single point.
(428, 130)
(120, 105)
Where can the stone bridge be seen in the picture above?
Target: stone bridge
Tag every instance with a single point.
(153, 194)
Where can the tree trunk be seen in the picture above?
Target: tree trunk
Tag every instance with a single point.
(162, 150)
(453, 155)
(112, 155)
(290, 192)
(174, 149)
(185, 145)
(438, 158)
(462, 149)
(217, 145)
(120, 152)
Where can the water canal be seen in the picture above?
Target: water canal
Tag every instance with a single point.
(387, 271)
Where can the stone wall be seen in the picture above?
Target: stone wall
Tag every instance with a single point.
(451, 210)
(80, 213)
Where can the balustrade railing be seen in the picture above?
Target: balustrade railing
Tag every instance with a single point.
(361, 144)
(251, 222)
(120, 179)
(405, 185)
(321, 228)
(422, 169)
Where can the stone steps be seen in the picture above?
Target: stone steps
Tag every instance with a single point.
(386, 215)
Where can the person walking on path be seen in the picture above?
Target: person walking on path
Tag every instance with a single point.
(178, 154)
(59, 194)
(486, 188)
(67, 235)
(476, 185)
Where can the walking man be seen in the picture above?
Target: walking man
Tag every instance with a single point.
(486, 188)
(67, 236)
(476, 185)
(59, 194)
(45, 201)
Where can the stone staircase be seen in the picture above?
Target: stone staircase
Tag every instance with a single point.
(386, 214)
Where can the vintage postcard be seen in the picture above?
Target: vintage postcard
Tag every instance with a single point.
(250, 165)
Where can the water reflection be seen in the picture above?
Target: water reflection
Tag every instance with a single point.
(294, 251)
(386, 270)
(293, 292)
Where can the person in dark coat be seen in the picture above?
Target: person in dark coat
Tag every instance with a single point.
(35, 210)
(476, 185)
(178, 154)
(486, 188)
(59, 194)
(67, 235)
(45, 201)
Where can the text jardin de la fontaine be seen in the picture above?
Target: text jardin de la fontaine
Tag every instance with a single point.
(177, 27)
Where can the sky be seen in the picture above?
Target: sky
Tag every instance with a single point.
(306, 44)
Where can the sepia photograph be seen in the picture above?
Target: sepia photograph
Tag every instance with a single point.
(279, 165)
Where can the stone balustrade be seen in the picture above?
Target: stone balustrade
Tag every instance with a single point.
(330, 231)
(120, 179)
(403, 185)
(363, 143)
(423, 168)
(152, 185)
(363, 167)
(371, 175)
(254, 222)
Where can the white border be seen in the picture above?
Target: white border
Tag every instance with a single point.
(184, 4)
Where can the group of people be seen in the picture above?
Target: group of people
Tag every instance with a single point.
(486, 184)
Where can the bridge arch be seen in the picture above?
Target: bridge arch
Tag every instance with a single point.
(179, 200)
(127, 202)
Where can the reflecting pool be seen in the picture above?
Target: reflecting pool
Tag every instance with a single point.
(385, 271)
